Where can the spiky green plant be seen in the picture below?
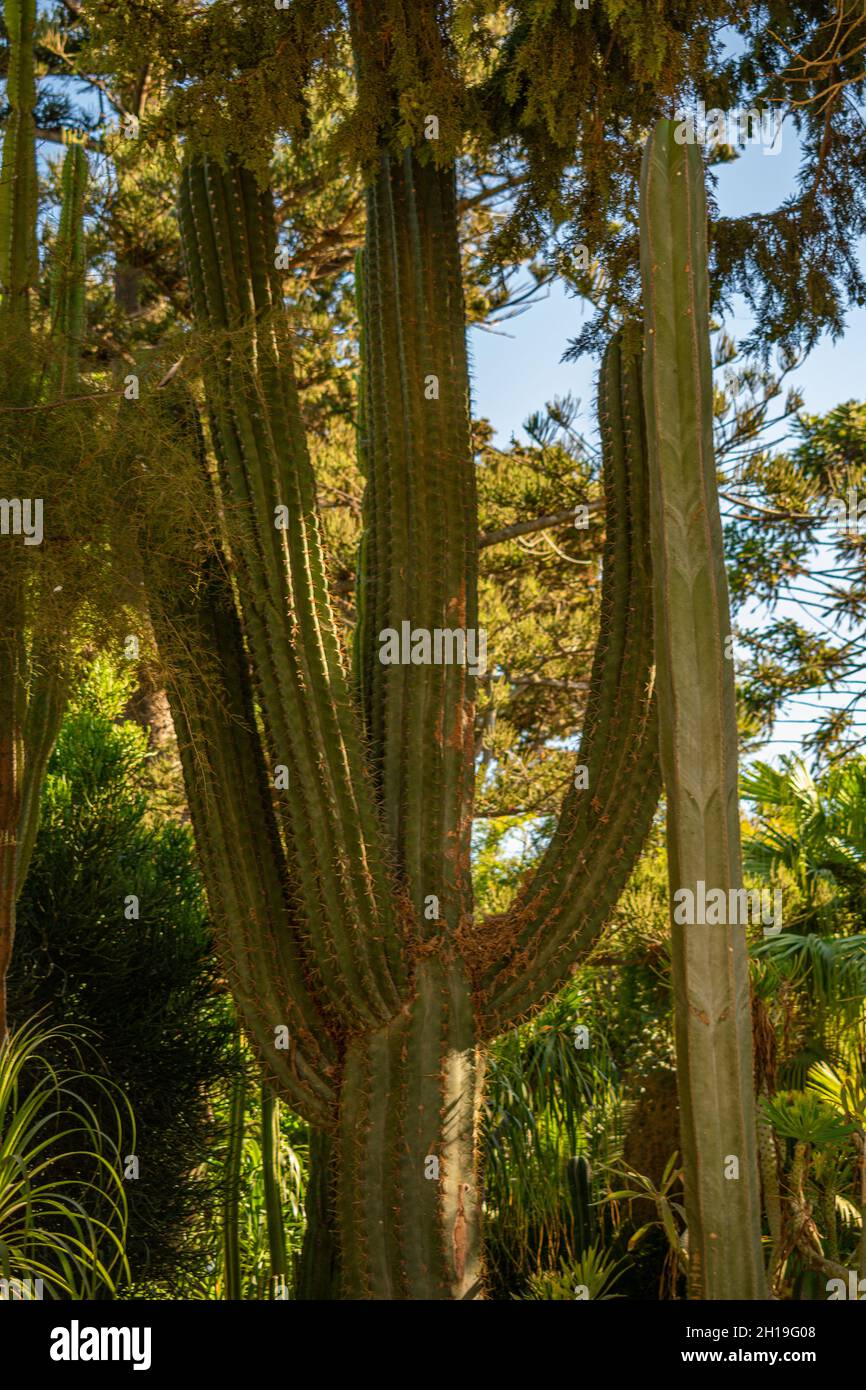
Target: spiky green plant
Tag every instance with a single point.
(697, 716)
(333, 811)
(592, 1276)
(70, 1234)
(32, 683)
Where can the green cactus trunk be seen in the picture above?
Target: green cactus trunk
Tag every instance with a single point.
(18, 270)
(333, 810)
(697, 714)
(392, 1086)
(19, 264)
(317, 1278)
(408, 1202)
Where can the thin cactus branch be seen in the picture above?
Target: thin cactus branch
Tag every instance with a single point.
(604, 821)
(48, 683)
(19, 262)
(48, 691)
(12, 715)
(32, 687)
(67, 280)
(272, 1177)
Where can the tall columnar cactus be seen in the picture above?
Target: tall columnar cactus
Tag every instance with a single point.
(67, 278)
(697, 715)
(32, 685)
(333, 817)
(19, 263)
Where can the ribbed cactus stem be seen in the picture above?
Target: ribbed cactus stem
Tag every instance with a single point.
(67, 278)
(48, 682)
(698, 726)
(419, 558)
(232, 1261)
(408, 1197)
(267, 481)
(606, 815)
(19, 262)
(273, 1189)
(251, 887)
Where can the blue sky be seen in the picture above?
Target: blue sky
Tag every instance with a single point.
(518, 368)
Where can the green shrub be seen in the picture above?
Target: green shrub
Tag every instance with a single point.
(147, 986)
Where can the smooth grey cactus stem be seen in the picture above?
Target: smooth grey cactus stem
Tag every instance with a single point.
(698, 730)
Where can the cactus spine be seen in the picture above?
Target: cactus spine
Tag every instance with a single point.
(697, 714)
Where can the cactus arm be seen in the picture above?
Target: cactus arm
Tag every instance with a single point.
(421, 528)
(355, 926)
(555, 919)
(273, 1189)
(249, 884)
(362, 636)
(238, 844)
(19, 262)
(231, 1206)
(18, 271)
(67, 281)
(48, 684)
(698, 729)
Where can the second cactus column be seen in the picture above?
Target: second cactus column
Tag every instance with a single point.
(698, 731)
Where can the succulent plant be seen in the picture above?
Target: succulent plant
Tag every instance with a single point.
(342, 888)
(698, 728)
